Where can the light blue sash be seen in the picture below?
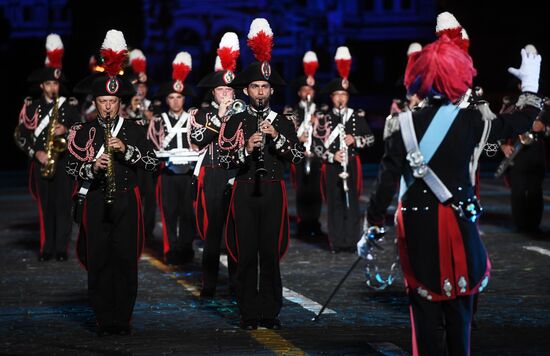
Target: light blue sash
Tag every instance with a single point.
(436, 132)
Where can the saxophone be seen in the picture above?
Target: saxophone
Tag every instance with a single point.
(54, 144)
(110, 185)
(344, 148)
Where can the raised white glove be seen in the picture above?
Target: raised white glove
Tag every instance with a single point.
(529, 71)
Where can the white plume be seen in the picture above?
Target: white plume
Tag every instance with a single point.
(230, 40)
(218, 64)
(183, 57)
(136, 54)
(342, 53)
(414, 47)
(115, 41)
(53, 41)
(259, 24)
(310, 56)
(446, 21)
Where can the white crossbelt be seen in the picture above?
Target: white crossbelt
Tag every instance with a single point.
(177, 129)
(46, 120)
(336, 132)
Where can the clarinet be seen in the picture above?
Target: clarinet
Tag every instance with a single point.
(309, 131)
(527, 139)
(344, 148)
(260, 169)
(110, 185)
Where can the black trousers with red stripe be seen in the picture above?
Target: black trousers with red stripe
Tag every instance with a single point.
(258, 228)
(426, 318)
(308, 197)
(217, 195)
(112, 254)
(177, 191)
(55, 202)
(344, 223)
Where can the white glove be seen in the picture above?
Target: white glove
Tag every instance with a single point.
(529, 71)
(366, 243)
(363, 247)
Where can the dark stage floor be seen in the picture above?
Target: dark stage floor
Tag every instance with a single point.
(44, 308)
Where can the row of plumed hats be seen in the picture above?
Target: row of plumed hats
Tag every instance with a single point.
(107, 79)
(422, 74)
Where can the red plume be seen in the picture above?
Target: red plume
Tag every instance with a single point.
(180, 71)
(139, 65)
(261, 45)
(444, 67)
(343, 66)
(452, 33)
(310, 68)
(228, 58)
(55, 57)
(181, 66)
(113, 61)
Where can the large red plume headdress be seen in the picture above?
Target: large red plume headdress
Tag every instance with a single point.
(442, 68)
(343, 64)
(228, 52)
(181, 66)
(260, 41)
(311, 64)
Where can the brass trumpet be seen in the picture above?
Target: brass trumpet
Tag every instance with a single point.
(237, 106)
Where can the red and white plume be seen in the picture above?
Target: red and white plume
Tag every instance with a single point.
(413, 52)
(218, 64)
(260, 39)
(181, 66)
(114, 52)
(228, 51)
(343, 61)
(464, 41)
(138, 61)
(310, 64)
(54, 51)
(448, 24)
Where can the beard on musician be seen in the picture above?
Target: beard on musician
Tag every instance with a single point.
(259, 91)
